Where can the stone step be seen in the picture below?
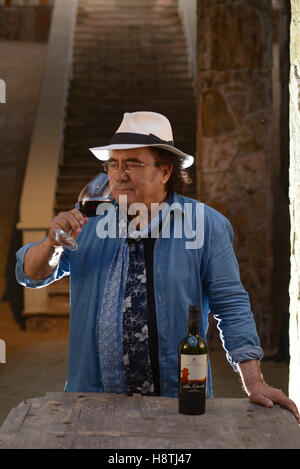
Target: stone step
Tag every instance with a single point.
(128, 30)
(111, 15)
(86, 79)
(127, 4)
(86, 170)
(67, 199)
(147, 40)
(58, 297)
(68, 190)
(112, 105)
(129, 27)
(60, 292)
(133, 78)
(62, 207)
(95, 116)
(114, 98)
(77, 151)
(72, 184)
(109, 19)
(94, 44)
(126, 10)
(155, 60)
(93, 120)
(98, 112)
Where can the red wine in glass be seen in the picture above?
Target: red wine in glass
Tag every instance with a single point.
(89, 207)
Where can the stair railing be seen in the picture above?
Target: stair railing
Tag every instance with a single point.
(45, 154)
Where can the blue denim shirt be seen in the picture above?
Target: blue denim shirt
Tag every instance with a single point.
(207, 276)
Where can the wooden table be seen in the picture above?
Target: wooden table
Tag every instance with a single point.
(93, 420)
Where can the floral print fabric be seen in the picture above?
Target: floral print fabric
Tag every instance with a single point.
(110, 324)
(135, 328)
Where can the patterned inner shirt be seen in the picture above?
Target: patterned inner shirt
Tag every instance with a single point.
(135, 326)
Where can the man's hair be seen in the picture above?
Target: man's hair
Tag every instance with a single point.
(179, 178)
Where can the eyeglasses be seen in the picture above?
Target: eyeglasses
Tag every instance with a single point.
(127, 166)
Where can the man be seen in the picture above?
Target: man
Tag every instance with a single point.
(130, 296)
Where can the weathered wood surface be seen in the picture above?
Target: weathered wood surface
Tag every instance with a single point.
(92, 420)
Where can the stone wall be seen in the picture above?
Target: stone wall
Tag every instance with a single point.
(294, 193)
(234, 170)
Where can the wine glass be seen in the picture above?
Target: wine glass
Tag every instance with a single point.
(97, 191)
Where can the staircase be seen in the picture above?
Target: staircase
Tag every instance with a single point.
(129, 55)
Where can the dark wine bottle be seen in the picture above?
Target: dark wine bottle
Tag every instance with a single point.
(192, 368)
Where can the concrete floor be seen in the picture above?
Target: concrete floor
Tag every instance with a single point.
(36, 362)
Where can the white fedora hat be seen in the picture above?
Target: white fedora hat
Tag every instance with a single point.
(142, 129)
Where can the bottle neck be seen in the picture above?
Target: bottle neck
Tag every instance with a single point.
(193, 323)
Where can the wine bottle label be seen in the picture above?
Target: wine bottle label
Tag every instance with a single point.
(193, 368)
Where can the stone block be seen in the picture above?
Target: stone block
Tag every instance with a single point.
(216, 118)
(251, 145)
(257, 244)
(259, 207)
(218, 186)
(251, 171)
(237, 38)
(257, 124)
(241, 223)
(218, 153)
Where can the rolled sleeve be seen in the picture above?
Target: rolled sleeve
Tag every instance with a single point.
(244, 353)
(61, 270)
(228, 300)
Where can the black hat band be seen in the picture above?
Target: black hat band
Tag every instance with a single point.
(139, 139)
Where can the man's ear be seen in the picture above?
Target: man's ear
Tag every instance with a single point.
(166, 170)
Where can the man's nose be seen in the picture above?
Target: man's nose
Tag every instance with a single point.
(121, 175)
